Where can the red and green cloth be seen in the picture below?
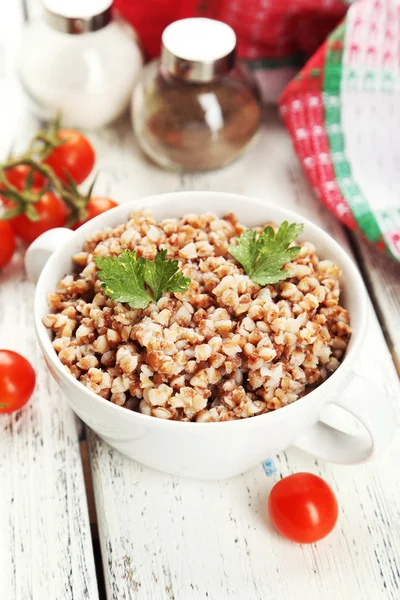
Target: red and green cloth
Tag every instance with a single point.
(269, 32)
(343, 108)
(343, 113)
(275, 37)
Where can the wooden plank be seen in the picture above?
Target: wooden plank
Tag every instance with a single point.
(165, 538)
(382, 275)
(45, 550)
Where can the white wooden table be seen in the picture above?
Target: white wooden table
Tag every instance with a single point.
(163, 538)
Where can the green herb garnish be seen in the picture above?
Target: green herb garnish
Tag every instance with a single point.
(124, 277)
(263, 255)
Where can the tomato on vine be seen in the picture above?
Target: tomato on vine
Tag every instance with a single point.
(18, 177)
(7, 243)
(17, 381)
(74, 156)
(96, 206)
(99, 204)
(39, 188)
(52, 213)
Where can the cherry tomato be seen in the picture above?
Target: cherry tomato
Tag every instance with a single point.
(96, 206)
(303, 508)
(75, 155)
(17, 381)
(7, 243)
(18, 175)
(52, 213)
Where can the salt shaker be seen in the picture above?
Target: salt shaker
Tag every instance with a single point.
(196, 107)
(80, 61)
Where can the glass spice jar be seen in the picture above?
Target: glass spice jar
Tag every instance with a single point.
(195, 108)
(81, 61)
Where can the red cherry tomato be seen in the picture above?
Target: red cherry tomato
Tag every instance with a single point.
(7, 243)
(17, 381)
(303, 508)
(18, 175)
(52, 213)
(75, 155)
(96, 206)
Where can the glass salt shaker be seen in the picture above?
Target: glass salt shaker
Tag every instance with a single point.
(196, 107)
(80, 61)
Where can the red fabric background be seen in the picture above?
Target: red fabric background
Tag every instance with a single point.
(266, 29)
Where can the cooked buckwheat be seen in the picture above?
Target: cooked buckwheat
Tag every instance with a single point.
(225, 349)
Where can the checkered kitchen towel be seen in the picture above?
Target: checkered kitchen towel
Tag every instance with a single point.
(342, 110)
(343, 113)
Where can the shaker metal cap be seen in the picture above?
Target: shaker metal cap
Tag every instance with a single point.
(77, 16)
(198, 49)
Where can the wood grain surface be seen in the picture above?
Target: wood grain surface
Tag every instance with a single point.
(45, 543)
(163, 538)
(382, 276)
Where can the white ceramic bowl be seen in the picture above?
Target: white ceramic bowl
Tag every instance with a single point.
(220, 450)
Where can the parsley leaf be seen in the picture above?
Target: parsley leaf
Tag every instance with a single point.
(262, 256)
(163, 275)
(246, 252)
(124, 277)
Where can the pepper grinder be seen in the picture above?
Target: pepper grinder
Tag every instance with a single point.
(196, 107)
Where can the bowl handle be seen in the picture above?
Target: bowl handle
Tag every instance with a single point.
(372, 406)
(42, 248)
